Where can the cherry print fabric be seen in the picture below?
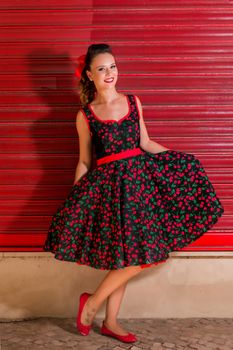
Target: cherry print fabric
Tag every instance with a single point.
(134, 210)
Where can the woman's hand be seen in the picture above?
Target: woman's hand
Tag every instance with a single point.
(154, 147)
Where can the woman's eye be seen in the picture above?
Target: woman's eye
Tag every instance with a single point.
(102, 68)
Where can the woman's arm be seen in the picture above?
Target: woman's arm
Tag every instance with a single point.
(85, 147)
(145, 142)
(80, 171)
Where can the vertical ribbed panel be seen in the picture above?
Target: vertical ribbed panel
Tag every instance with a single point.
(175, 55)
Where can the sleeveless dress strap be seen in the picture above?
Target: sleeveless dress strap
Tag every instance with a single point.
(134, 105)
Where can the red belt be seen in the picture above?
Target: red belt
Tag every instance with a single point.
(120, 155)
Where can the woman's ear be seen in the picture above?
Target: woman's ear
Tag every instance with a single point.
(89, 74)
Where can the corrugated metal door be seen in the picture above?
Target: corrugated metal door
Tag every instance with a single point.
(175, 55)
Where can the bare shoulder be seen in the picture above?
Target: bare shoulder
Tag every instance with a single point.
(80, 116)
(138, 101)
(137, 98)
(82, 124)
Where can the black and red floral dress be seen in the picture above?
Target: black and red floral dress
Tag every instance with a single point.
(134, 207)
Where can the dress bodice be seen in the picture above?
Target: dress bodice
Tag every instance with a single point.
(111, 136)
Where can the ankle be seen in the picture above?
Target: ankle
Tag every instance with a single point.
(93, 302)
(110, 322)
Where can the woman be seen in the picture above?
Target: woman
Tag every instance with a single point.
(142, 201)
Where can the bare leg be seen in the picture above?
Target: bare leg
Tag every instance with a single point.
(112, 281)
(112, 308)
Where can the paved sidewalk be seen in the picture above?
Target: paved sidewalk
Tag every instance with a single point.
(153, 334)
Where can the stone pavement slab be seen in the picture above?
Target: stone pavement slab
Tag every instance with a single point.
(153, 334)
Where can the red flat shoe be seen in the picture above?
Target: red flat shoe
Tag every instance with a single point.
(83, 329)
(129, 338)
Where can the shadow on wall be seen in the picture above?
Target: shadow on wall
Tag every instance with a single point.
(48, 154)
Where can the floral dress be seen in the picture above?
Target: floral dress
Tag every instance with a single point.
(135, 206)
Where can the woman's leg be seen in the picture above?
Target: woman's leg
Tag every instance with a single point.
(112, 309)
(111, 282)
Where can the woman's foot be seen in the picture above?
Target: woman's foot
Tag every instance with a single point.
(88, 312)
(115, 327)
(126, 338)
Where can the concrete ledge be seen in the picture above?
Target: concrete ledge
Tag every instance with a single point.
(188, 284)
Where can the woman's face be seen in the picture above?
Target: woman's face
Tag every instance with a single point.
(104, 72)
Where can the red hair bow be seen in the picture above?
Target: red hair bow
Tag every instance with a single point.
(81, 64)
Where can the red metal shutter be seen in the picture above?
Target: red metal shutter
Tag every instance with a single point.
(175, 55)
